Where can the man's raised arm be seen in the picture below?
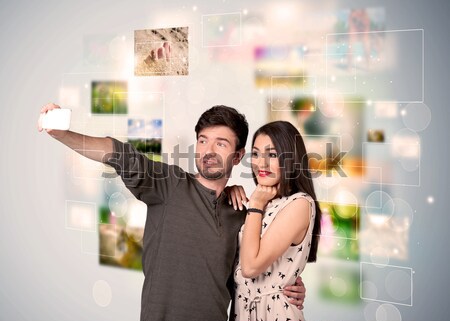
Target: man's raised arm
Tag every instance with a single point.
(95, 148)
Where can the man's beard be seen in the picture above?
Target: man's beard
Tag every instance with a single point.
(207, 171)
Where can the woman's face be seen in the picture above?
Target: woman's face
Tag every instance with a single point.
(265, 164)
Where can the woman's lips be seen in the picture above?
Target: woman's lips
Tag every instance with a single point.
(264, 173)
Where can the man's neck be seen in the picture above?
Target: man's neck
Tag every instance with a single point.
(217, 185)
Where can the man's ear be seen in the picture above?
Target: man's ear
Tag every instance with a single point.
(238, 156)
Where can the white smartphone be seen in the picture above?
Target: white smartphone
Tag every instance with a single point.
(58, 118)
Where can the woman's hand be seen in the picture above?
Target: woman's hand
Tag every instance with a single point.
(261, 196)
(236, 196)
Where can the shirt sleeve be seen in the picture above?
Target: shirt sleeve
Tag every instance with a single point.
(149, 181)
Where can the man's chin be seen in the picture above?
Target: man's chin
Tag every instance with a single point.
(211, 175)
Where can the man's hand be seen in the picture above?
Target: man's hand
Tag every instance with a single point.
(58, 134)
(296, 293)
(95, 148)
(236, 196)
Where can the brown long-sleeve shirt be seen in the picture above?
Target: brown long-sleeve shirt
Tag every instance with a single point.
(190, 239)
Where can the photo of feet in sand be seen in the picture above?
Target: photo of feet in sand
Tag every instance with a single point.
(161, 52)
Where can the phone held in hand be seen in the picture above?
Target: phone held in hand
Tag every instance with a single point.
(58, 118)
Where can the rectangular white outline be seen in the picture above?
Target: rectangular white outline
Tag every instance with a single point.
(342, 92)
(130, 115)
(82, 248)
(394, 184)
(223, 14)
(312, 94)
(360, 206)
(145, 118)
(81, 229)
(380, 182)
(383, 266)
(385, 31)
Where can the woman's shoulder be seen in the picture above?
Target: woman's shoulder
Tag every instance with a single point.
(299, 195)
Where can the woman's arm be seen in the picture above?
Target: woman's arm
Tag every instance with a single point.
(290, 226)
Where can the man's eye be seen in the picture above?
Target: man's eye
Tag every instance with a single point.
(221, 144)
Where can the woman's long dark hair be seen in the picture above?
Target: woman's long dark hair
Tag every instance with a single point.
(294, 168)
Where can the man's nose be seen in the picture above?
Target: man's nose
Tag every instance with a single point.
(210, 149)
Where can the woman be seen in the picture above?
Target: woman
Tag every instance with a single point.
(281, 230)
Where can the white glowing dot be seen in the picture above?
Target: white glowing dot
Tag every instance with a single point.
(391, 81)
(430, 199)
(261, 91)
(395, 251)
(102, 293)
(245, 11)
(123, 38)
(359, 58)
(333, 78)
(194, 8)
(86, 86)
(305, 48)
(403, 112)
(221, 28)
(369, 103)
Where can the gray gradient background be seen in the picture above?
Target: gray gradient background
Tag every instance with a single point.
(44, 275)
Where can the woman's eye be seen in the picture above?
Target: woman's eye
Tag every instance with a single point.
(254, 154)
(273, 155)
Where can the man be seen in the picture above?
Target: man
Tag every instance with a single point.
(190, 235)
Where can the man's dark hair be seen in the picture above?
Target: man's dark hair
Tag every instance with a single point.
(225, 116)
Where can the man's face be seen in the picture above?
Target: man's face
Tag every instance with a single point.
(216, 152)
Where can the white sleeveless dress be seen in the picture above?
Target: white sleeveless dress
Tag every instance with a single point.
(261, 298)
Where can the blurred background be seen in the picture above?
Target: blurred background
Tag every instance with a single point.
(365, 82)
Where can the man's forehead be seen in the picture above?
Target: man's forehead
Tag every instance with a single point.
(217, 132)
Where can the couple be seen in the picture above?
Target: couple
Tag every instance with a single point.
(191, 232)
